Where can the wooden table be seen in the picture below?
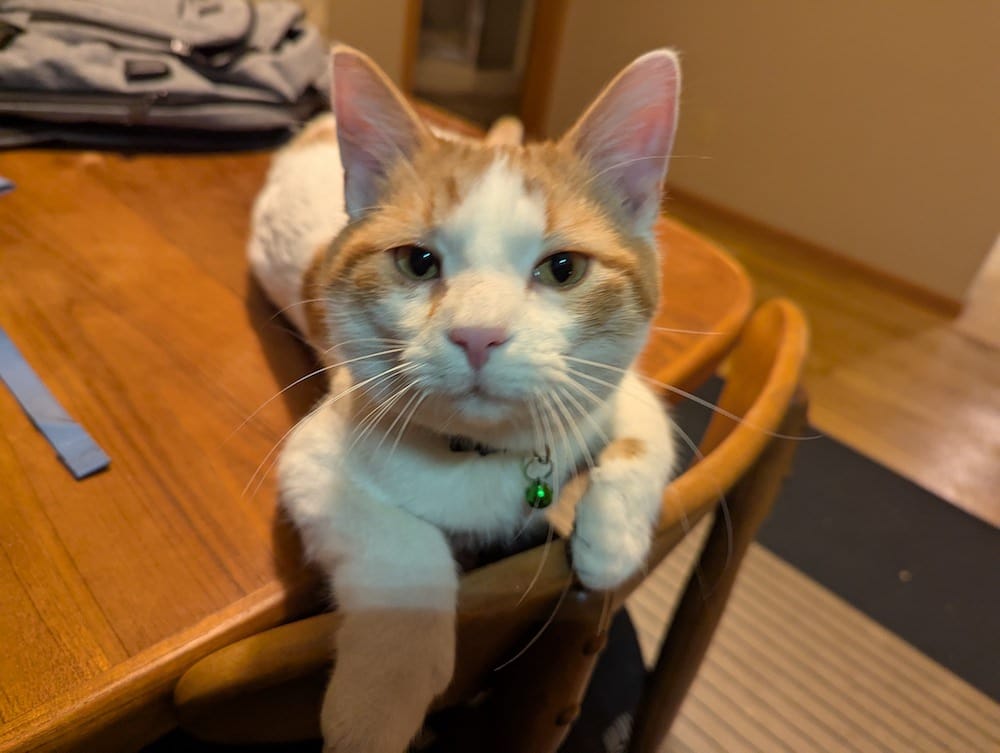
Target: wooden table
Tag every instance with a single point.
(123, 282)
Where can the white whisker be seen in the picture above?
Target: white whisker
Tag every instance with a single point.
(625, 163)
(402, 429)
(677, 391)
(383, 340)
(588, 458)
(605, 440)
(303, 302)
(304, 378)
(684, 331)
(541, 564)
(399, 416)
(275, 396)
(723, 506)
(322, 403)
(271, 452)
(370, 420)
(542, 629)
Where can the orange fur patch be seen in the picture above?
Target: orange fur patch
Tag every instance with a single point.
(623, 449)
(506, 130)
(313, 294)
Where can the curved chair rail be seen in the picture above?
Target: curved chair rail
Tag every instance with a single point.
(279, 674)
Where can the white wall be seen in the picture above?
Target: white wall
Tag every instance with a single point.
(870, 127)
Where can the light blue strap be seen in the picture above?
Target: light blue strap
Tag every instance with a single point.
(75, 446)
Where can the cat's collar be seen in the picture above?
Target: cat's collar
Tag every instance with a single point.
(458, 443)
(537, 468)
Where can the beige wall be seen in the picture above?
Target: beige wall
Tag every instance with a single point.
(871, 127)
(377, 27)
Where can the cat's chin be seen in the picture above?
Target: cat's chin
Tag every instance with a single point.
(474, 413)
(481, 409)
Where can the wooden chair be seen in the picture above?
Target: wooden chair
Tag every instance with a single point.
(268, 687)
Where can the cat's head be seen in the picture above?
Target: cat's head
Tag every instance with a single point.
(491, 278)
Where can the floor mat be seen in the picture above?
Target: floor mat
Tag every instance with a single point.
(919, 566)
(795, 668)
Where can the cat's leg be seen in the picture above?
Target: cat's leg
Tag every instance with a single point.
(616, 515)
(395, 583)
(396, 644)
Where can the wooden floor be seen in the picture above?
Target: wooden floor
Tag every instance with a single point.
(888, 373)
(795, 669)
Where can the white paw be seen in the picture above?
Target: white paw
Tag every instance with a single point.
(607, 547)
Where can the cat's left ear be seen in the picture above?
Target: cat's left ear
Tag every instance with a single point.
(376, 128)
(627, 133)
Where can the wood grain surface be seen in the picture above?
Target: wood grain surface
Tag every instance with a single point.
(123, 281)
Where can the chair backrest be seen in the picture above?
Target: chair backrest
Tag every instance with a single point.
(278, 675)
(764, 373)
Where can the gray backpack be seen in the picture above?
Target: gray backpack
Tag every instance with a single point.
(125, 71)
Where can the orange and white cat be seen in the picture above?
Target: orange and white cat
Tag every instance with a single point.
(479, 296)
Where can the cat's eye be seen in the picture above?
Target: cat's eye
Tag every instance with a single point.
(417, 262)
(561, 270)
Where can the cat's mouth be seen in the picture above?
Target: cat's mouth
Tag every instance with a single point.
(480, 389)
(480, 406)
(478, 393)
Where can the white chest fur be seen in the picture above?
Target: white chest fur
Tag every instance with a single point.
(460, 492)
(328, 479)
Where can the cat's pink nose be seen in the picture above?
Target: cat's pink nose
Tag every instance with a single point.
(477, 341)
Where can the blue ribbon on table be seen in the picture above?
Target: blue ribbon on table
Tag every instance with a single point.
(76, 448)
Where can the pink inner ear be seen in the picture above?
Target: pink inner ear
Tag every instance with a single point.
(375, 129)
(652, 137)
(628, 133)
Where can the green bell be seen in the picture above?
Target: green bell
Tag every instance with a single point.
(538, 495)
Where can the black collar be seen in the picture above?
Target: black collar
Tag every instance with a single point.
(458, 443)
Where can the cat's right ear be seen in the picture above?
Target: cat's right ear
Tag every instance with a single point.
(375, 127)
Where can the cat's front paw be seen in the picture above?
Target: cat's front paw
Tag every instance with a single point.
(362, 724)
(606, 546)
(390, 665)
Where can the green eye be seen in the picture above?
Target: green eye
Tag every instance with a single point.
(561, 270)
(417, 262)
